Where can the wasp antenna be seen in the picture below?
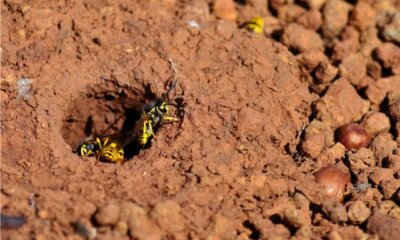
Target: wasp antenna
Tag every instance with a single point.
(171, 87)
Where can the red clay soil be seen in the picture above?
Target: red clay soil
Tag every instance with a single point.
(236, 165)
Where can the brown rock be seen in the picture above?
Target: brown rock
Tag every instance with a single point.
(334, 235)
(380, 174)
(377, 91)
(385, 206)
(325, 72)
(335, 210)
(376, 123)
(358, 212)
(289, 12)
(352, 233)
(395, 213)
(384, 9)
(348, 44)
(389, 55)
(393, 162)
(297, 217)
(361, 160)
(394, 111)
(122, 227)
(317, 127)
(330, 155)
(224, 227)
(298, 38)
(313, 145)
(301, 201)
(353, 68)
(391, 31)
(311, 59)
(369, 41)
(335, 15)
(167, 215)
(374, 70)
(304, 232)
(108, 215)
(363, 16)
(397, 132)
(139, 223)
(385, 227)
(334, 109)
(225, 9)
(389, 187)
(383, 145)
(311, 19)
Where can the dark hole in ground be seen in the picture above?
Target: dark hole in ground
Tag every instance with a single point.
(104, 109)
(255, 233)
(109, 109)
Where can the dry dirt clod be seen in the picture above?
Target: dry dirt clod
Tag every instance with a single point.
(312, 59)
(391, 31)
(335, 211)
(223, 227)
(298, 38)
(108, 214)
(140, 225)
(297, 217)
(383, 145)
(325, 72)
(390, 187)
(354, 68)
(225, 9)
(290, 12)
(341, 104)
(330, 155)
(378, 90)
(361, 160)
(353, 136)
(167, 215)
(394, 110)
(349, 43)
(313, 145)
(392, 162)
(389, 55)
(380, 174)
(335, 15)
(385, 207)
(385, 227)
(376, 123)
(311, 19)
(334, 181)
(395, 213)
(363, 16)
(358, 212)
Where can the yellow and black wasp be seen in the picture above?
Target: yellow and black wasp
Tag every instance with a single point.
(256, 25)
(107, 149)
(111, 148)
(153, 115)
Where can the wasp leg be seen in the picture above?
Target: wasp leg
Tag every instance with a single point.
(170, 119)
(151, 132)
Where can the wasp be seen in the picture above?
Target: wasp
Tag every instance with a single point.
(153, 115)
(107, 149)
(256, 25)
